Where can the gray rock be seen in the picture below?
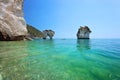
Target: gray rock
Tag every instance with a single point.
(83, 32)
(12, 23)
(48, 33)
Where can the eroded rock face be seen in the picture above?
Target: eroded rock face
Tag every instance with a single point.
(12, 23)
(83, 32)
(48, 33)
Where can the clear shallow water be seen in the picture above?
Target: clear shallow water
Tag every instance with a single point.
(95, 59)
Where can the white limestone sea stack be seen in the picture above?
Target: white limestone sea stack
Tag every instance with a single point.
(48, 33)
(12, 23)
(83, 32)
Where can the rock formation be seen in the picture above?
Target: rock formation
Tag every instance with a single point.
(49, 33)
(12, 23)
(83, 32)
(33, 32)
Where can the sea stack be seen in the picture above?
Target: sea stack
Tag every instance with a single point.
(12, 23)
(48, 33)
(83, 32)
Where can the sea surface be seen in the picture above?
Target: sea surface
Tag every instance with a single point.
(60, 59)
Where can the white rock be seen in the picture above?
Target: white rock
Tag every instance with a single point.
(83, 32)
(12, 23)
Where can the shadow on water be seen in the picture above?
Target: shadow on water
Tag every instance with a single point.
(83, 44)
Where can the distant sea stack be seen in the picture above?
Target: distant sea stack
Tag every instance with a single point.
(83, 32)
(12, 23)
(48, 33)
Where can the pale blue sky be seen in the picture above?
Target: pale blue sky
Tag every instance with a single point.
(65, 16)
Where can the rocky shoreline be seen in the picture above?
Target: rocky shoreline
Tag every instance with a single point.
(14, 28)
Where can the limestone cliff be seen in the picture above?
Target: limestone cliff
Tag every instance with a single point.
(83, 32)
(12, 23)
(49, 33)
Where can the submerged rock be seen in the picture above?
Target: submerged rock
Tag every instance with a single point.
(1, 77)
(12, 23)
(83, 32)
(48, 33)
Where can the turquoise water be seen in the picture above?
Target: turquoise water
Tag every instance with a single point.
(70, 59)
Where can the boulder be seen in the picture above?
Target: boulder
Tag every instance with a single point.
(48, 33)
(83, 32)
(12, 23)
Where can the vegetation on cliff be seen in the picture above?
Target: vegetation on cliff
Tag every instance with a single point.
(33, 32)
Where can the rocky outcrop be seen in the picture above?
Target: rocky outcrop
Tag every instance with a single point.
(33, 32)
(48, 33)
(12, 23)
(83, 32)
